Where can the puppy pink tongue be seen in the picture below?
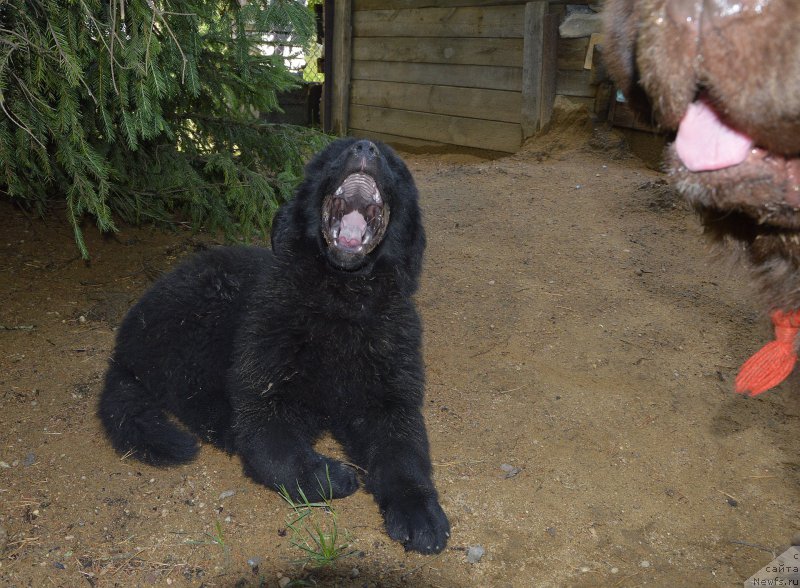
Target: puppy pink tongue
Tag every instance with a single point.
(705, 143)
(351, 230)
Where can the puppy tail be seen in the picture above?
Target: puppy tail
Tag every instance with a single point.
(137, 426)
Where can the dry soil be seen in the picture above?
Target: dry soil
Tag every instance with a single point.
(580, 346)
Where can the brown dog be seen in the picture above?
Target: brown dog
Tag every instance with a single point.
(725, 74)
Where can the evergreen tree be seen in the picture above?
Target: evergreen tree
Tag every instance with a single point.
(147, 110)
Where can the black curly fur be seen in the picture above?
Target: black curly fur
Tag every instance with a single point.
(259, 352)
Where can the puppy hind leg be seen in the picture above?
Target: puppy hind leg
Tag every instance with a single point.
(138, 426)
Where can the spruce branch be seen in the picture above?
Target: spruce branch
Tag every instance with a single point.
(18, 123)
(124, 110)
(160, 14)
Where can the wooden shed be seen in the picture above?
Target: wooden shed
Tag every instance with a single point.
(458, 72)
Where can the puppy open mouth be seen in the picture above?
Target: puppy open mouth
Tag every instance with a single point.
(720, 167)
(355, 216)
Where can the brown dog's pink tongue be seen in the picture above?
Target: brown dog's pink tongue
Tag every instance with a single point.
(705, 143)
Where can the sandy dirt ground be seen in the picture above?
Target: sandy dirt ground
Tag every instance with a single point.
(580, 347)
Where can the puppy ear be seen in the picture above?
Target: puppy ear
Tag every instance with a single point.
(283, 227)
(621, 20)
(416, 250)
(411, 237)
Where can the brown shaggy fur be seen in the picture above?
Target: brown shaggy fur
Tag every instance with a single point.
(744, 58)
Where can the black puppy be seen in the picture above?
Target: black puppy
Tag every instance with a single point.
(259, 351)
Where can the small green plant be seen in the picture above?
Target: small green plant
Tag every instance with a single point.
(315, 529)
(215, 538)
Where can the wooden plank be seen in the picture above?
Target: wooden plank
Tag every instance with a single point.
(410, 145)
(550, 60)
(407, 143)
(621, 115)
(467, 102)
(587, 103)
(498, 21)
(575, 83)
(595, 41)
(602, 101)
(412, 4)
(401, 4)
(572, 53)
(481, 134)
(394, 140)
(342, 58)
(494, 52)
(532, 68)
(443, 74)
(327, 86)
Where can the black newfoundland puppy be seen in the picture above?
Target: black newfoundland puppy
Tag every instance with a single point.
(259, 351)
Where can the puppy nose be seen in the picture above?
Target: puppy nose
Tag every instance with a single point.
(365, 149)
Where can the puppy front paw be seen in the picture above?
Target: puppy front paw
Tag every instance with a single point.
(328, 479)
(418, 522)
(335, 479)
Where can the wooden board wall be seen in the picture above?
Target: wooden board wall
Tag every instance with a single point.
(448, 72)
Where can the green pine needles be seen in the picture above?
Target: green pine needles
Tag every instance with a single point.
(148, 110)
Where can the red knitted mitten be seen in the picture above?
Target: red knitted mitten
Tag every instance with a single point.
(773, 363)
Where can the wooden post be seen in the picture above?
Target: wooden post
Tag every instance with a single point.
(342, 56)
(538, 67)
(327, 65)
